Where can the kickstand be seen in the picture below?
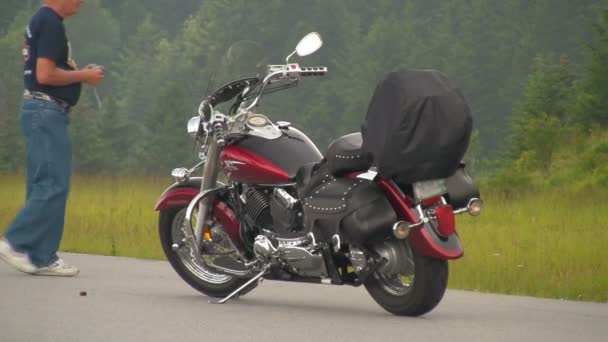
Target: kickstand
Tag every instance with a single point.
(236, 292)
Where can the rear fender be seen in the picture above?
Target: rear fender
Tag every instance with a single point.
(424, 240)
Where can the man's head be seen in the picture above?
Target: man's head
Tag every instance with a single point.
(65, 8)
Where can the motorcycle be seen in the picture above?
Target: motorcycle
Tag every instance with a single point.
(288, 213)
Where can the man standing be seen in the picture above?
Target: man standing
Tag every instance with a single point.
(52, 88)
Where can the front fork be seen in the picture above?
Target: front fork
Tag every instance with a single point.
(210, 172)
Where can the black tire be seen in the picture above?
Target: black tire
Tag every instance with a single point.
(424, 293)
(175, 216)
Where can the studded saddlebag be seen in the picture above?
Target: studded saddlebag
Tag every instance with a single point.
(354, 208)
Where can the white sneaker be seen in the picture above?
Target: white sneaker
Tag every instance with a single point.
(58, 268)
(18, 260)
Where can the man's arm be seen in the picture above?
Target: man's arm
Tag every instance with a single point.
(47, 73)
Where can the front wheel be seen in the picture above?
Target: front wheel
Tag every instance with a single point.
(198, 275)
(414, 294)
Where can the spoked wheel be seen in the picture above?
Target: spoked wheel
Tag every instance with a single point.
(411, 294)
(194, 270)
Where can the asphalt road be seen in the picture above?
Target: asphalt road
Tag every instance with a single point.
(139, 300)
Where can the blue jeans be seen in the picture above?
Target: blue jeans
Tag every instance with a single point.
(38, 228)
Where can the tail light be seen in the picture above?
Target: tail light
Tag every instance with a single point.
(446, 222)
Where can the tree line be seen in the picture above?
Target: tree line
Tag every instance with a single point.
(534, 73)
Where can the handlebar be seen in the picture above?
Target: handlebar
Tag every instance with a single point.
(290, 72)
(313, 71)
(218, 129)
(295, 70)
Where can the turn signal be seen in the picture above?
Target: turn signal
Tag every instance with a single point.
(180, 175)
(401, 230)
(475, 206)
(207, 233)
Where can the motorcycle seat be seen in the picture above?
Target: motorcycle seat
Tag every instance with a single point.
(345, 155)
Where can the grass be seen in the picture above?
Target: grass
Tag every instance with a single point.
(547, 244)
(550, 244)
(105, 215)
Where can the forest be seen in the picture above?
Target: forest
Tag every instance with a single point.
(535, 74)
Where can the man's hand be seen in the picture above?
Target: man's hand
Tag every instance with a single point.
(94, 75)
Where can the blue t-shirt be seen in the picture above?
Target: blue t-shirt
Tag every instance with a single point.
(45, 37)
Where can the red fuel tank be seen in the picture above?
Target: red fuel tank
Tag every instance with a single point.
(255, 160)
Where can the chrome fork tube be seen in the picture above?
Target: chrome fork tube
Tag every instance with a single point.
(210, 172)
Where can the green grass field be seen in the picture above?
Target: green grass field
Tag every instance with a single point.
(105, 215)
(552, 244)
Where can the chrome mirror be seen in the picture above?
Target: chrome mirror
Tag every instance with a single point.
(307, 45)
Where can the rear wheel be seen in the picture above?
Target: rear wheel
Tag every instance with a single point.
(411, 294)
(197, 274)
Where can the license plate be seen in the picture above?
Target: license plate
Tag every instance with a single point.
(428, 189)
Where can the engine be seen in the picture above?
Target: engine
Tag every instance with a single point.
(274, 230)
(299, 256)
(271, 209)
(286, 212)
(256, 205)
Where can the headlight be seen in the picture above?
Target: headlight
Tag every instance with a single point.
(193, 126)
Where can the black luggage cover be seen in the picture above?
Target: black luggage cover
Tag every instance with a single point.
(417, 127)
